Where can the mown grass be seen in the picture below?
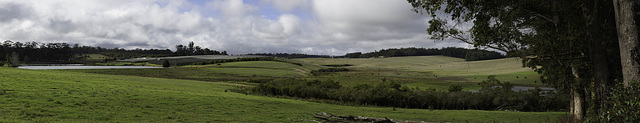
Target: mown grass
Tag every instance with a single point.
(63, 96)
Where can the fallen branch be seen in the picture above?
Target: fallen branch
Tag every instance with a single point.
(336, 118)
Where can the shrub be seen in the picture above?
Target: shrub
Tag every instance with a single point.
(455, 88)
(297, 64)
(166, 63)
(259, 80)
(623, 105)
(337, 65)
(12, 59)
(328, 70)
(392, 94)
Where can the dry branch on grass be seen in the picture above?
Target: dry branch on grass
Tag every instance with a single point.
(325, 117)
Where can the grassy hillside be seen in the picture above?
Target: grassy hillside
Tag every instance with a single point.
(63, 96)
(429, 71)
(234, 71)
(440, 65)
(436, 72)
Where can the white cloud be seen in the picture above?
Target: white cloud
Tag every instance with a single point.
(288, 5)
(332, 27)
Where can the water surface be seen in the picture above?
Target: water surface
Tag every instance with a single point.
(83, 67)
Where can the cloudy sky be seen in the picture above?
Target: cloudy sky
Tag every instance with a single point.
(327, 27)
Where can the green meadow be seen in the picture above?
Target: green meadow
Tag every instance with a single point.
(437, 72)
(199, 93)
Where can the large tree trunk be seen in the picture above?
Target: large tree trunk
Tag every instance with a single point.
(577, 99)
(577, 103)
(598, 61)
(628, 40)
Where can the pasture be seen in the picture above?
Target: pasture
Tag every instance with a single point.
(437, 72)
(199, 93)
(67, 96)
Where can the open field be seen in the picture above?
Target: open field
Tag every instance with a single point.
(420, 71)
(441, 65)
(95, 57)
(62, 96)
(235, 71)
(429, 71)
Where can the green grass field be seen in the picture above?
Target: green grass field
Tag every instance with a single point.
(437, 72)
(68, 96)
(95, 57)
(441, 65)
(419, 71)
(196, 93)
(226, 72)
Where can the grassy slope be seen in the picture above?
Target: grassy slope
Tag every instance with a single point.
(430, 71)
(421, 71)
(60, 96)
(440, 65)
(95, 57)
(235, 71)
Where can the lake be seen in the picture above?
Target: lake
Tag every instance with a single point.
(83, 67)
(523, 88)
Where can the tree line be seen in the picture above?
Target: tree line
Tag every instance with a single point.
(494, 95)
(219, 61)
(32, 51)
(467, 54)
(291, 55)
(191, 49)
(66, 53)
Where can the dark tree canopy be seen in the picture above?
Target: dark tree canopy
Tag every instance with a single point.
(291, 55)
(191, 49)
(65, 53)
(573, 44)
(467, 54)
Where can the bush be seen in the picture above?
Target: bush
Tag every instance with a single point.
(337, 65)
(166, 63)
(259, 80)
(327, 70)
(455, 88)
(392, 94)
(623, 105)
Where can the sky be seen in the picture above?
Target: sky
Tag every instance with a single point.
(322, 27)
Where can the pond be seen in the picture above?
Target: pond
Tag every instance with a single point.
(523, 88)
(82, 67)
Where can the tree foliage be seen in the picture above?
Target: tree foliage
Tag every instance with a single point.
(455, 88)
(239, 60)
(291, 55)
(191, 49)
(467, 54)
(166, 63)
(573, 44)
(624, 105)
(327, 71)
(35, 51)
(393, 94)
(63, 52)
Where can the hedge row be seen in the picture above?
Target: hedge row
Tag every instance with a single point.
(392, 94)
